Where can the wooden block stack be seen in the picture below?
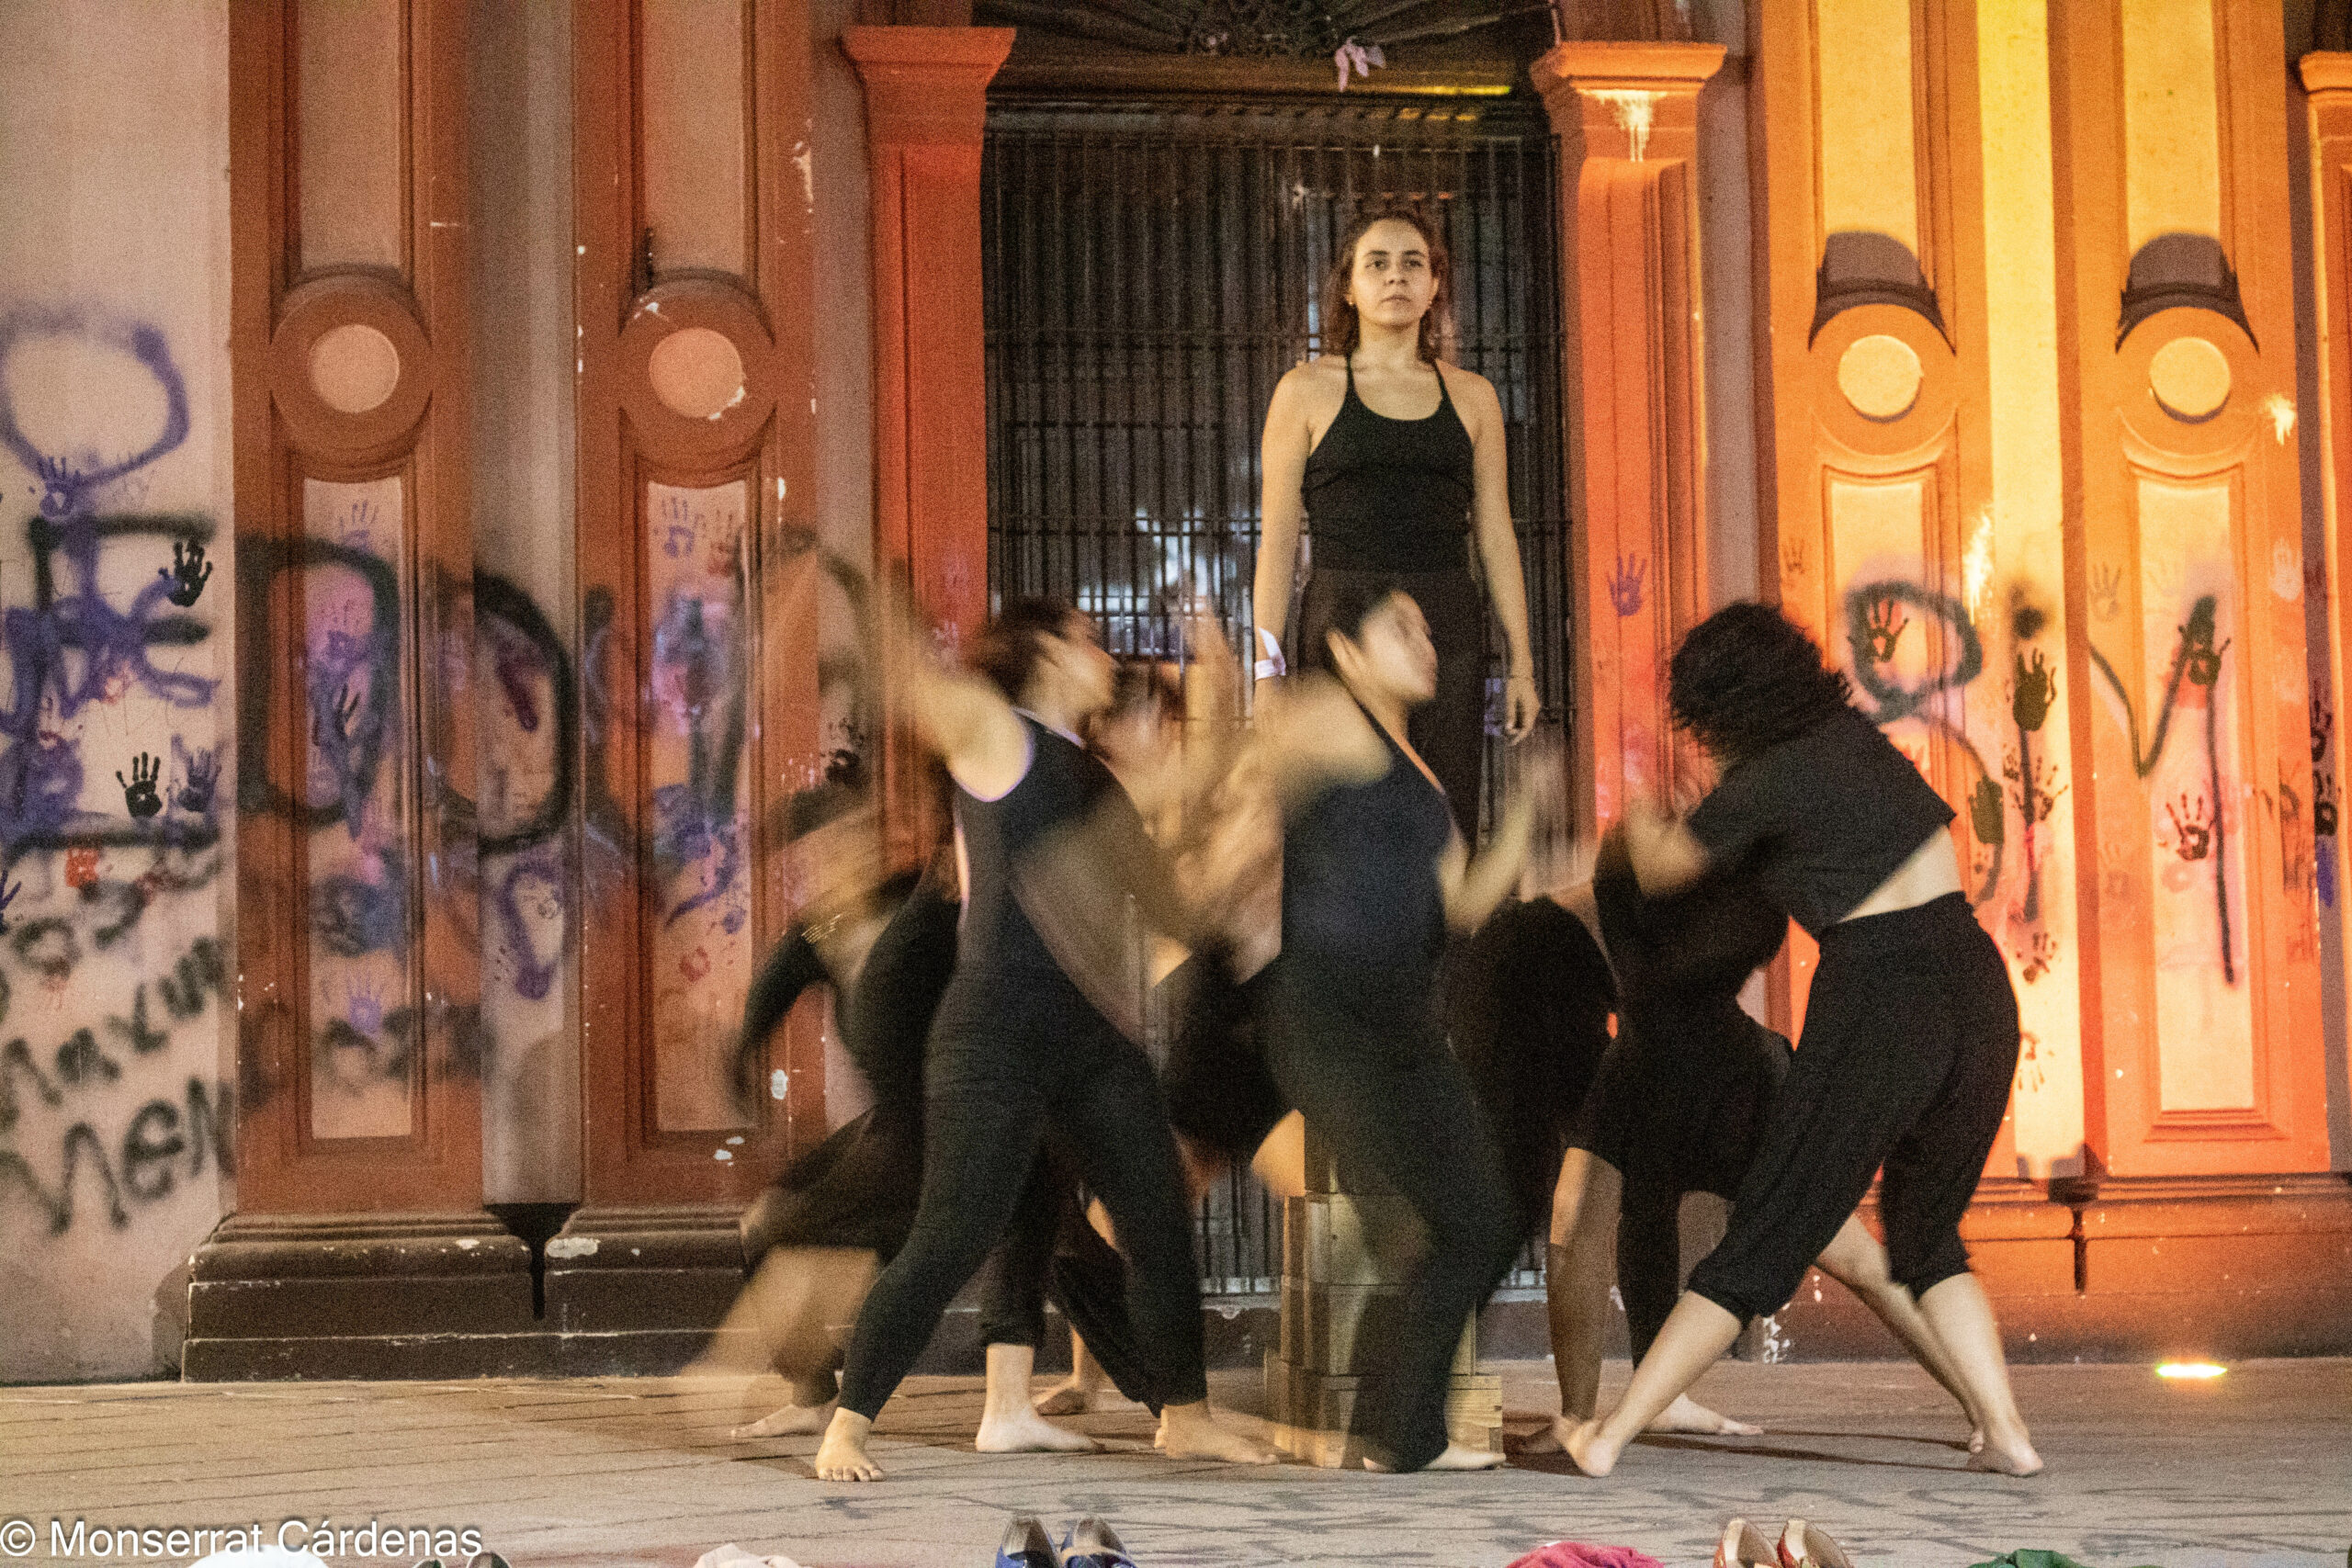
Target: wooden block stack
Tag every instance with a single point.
(1344, 1251)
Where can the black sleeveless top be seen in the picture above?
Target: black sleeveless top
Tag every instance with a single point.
(1359, 883)
(1390, 494)
(1065, 782)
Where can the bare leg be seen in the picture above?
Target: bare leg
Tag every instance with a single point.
(1962, 1320)
(1189, 1431)
(1580, 1264)
(1007, 1424)
(790, 1320)
(1281, 1160)
(841, 1456)
(1696, 1335)
(1856, 1260)
(1694, 1241)
(1075, 1395)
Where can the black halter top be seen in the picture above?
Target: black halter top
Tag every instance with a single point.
(1360, 880)
(1390, 494)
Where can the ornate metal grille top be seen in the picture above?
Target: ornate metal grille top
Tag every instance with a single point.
(1297, 29)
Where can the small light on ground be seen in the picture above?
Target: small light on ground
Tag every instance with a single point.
(2196, 1371)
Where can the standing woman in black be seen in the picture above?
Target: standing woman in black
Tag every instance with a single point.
(1393, 461)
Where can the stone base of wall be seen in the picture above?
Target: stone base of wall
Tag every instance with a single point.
(2123, 1270)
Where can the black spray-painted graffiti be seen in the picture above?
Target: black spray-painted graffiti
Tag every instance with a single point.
(2198, 822)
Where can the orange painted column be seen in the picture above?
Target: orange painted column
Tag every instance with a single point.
(926, 106)
(1627, 118)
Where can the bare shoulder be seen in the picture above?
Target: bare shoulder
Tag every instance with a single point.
(1472, 392)
(1317, 732)
(1314, 387)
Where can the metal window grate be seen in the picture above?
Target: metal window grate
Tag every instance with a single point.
(1149, 272)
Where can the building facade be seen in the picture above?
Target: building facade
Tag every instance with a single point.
(440, 441)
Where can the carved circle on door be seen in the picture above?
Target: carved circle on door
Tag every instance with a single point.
(697, 372)
(1880, 377)
(2191, 379)
(353, 368)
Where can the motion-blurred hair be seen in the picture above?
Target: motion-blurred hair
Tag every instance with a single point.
(1748, 678)
(1012, 647)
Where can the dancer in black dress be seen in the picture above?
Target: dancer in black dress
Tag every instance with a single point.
(1911, 1027)
(1394, 460)
(1017, 1043)
(1374, 872)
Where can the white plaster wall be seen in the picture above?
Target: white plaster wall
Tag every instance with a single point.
(115, 1049)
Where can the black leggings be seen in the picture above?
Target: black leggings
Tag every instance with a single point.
(1009, 1054)
(1910, 1040)
(1373, 1074)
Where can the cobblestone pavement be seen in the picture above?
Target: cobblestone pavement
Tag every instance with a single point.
(2252, 1469)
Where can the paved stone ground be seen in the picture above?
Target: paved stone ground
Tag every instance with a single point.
(2255, 1469)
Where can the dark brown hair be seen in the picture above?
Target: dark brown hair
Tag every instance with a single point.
(1012, 647)
(1748, 678)
(1340, 329)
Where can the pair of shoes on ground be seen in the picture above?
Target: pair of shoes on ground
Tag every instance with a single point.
(1800, 1545)
(1086, 1544)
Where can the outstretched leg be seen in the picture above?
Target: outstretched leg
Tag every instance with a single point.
(1696, 1335)
(1963, 1319)
(1856, 1260)
(1580, 1263)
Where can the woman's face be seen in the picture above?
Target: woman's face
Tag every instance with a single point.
(1392, 283)
(1083, 670)
(1392, 654)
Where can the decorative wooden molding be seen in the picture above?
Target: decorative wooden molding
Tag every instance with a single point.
(2203, 1045)
(1627, 118)
(696, 477)
(348, 353)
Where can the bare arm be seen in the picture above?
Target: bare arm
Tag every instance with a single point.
(1667, 858)
(961, 715)
(1475, 887)
(1499, 547)
(1283, 460)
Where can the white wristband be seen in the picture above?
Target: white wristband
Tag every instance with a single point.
(1272, 663)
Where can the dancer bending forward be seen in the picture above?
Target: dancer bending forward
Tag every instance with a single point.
(1374, 872)
(1679, 1107)
(1017, 1044)
(1910, 1032)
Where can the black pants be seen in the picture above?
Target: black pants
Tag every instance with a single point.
(1371, 1070)
(1009, 1054)
(1910, 1040)
(1450, 732)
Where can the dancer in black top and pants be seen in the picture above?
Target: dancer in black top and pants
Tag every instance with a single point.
(1397, 498)
(1373, 873)
(1018, 1045)
(1911, 1028)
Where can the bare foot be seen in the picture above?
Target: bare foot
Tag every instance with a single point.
(1687, 1415)
(1593, 1453)
(1027, 1432)
(2011, 1455)
(1976, 1440)
(1189, 1431)
(1455, 1457)
(1072, 1398)
(841, 1456)
(791, 1420)
(1543, 1439)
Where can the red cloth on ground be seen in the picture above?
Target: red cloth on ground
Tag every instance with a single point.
(1577, 1554)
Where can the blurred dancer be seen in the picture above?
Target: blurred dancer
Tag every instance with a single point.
(1018, 1043)
(1911, 1027)
(1374, 870)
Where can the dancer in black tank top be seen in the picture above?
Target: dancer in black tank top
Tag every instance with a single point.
(1374, 873)
(1397, 498)
(1017, 1044)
